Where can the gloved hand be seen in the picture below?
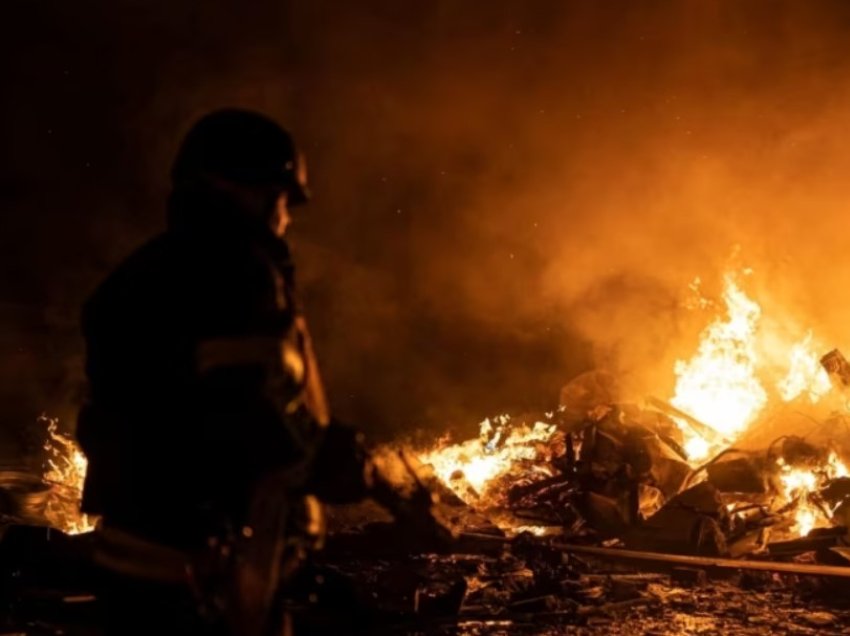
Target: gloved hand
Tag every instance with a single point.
(428, 530)
(417, 513)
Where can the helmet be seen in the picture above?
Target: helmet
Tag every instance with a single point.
(244, 148)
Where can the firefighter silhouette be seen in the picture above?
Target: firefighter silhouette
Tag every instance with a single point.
(209, 438)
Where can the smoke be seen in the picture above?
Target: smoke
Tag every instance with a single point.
(507, 193)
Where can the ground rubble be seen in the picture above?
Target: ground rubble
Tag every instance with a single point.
(530, 585)
(485, 585)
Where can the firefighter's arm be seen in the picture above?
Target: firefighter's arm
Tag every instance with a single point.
(346, 472)
(340, 472)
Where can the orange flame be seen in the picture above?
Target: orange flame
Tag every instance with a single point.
(478, 463)
(799, 484)
(805, 375)
(719, 385)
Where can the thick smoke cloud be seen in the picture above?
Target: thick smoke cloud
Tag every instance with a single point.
(507, 193)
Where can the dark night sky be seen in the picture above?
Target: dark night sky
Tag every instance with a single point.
(494, 180)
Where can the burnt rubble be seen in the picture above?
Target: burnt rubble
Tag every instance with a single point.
(618, 473)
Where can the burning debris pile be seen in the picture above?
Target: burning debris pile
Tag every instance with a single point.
(622, 473)
(702, 473)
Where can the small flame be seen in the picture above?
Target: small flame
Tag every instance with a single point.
(799, 480)
(806, 375)
(801, 484)
(65, 470)
(479, 462)
(697, 447)
(805, 520)
(537, 531)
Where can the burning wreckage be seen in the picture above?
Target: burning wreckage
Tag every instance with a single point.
(741, 474)
(710, 472)
(599, 509)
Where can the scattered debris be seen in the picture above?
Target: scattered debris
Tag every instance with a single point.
(688, 577)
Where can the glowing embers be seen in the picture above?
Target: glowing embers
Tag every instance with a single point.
(65, 472)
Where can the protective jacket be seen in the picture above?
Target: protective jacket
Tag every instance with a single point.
(202, 381)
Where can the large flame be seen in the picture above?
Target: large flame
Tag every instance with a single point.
(719, 385)
(723, 384)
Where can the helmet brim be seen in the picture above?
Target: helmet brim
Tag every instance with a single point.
(298, 194)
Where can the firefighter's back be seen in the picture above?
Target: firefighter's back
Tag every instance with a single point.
(168, 454)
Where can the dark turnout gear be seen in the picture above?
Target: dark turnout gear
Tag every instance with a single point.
(206, 427)
(202, 380)
(203, 385)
